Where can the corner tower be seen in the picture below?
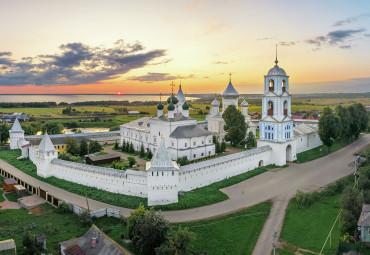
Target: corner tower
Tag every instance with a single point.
(276, 125)
(15, 134)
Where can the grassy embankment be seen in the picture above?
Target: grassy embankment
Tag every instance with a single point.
(195, 198)
(235, 233)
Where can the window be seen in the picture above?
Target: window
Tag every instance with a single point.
(209, 152)
(173, 173)
(209, 141)
(284, 85)
(368, 231)
(202, 154)
(186, 145)
(194, 156)
(271, 85)
(202, 142)
(285, 108)
(173, 144)
(270, 110)
(194, 143)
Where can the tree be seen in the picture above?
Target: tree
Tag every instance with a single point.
(131, 161)
(328, 127)
(30, 247)
(72, 147)
(131, 148)
(142, 151)
(147, 229)
(178, 242)
(363, 116)
(31, 129)
(223, 146)
(95, 147)
(4, 133)
(355, 124)
(234, 125)
(218, 147)
(182, 161)
(344, 122)
(52, 128)
(250, 140)
(85, 218)
(351, 202)
(84, 148)
(69, 157)
(149, 154)
(116, 147)
(123, 148)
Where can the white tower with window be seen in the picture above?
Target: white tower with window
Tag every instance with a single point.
(276, 125)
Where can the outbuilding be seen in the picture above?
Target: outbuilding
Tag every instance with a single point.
(102, 159)
(20, 190)
(8, 184)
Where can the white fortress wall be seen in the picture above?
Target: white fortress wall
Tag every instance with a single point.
(127, 182)
(207, 172)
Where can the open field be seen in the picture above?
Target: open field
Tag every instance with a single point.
(235, 233)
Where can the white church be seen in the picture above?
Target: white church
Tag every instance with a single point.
(175, 135)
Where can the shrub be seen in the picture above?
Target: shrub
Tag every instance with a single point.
(183, 161)
(303, 199)
(85, 219)
(62, 209)
(131, 161)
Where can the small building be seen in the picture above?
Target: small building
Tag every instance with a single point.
(20, 190)
(94, 242)
(8, 184)
(60, 142)
(313, 117)
(8, 247)
(297, 117)
(11, 117)
(364, 224)
(133, 112)
(102, 159)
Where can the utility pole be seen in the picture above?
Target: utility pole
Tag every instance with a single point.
(87, 201)
(274, 241)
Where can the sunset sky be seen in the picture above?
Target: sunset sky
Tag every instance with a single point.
(110, 46)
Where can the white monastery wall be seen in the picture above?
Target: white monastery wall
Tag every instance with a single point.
(307, 142)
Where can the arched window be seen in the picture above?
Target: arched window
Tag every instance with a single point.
(271, 85)
(270, 110)
(284, 85)
(285, 108)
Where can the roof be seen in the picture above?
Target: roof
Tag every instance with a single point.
(104, 244)
(133, 112)
(185, 106)
(16, 126)
(305, 129)
(219, 160)
(177, 117)
(171, 107)
(230, 90)
(215, 102)
(189, 131)
(7, 245)
(19, 187)
(297, 117)
(142, 124)
(74, 250)
(46, 144)
(102, 157)
(180, 95)
(162, 159)
(9, 181)
(109, 133)
(244, 103)
(364, 219)
(276, 70)
(70, 242)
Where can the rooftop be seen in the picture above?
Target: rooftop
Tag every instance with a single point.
(189, 131)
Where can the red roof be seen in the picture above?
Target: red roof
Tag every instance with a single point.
(26, 145)
(74, 250)
(297, 117)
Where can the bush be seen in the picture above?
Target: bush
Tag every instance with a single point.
(63, 209)
(303, 199)
(131, 161)
(85, 219)
(183, 161)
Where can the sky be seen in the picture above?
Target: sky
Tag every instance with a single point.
(140, 47)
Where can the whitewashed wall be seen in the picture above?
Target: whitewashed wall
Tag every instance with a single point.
(207, 172)
(307, 142)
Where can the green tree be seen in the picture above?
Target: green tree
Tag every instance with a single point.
(69, 157)
(84, 148)
(142, 151)
(4, 133)
(31, 128)
(149, 154)
(85, 219)
(363, 116)
(344, 122)
(94, 147)
(131, 148)
(328, 127)
(52, 128)
(72, 147)
(131, 161)
(355, 124)
(147, 230)
(250, 140)
(223, 146)
(351, 202)
(30, 247)
(235, 125)
(178, 242)
(116, 147)
(182, 161)
(218, 147)
(123, 148)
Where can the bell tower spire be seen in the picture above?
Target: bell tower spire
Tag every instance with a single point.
(276, 61)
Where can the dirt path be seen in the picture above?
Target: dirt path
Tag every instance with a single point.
(8, 204)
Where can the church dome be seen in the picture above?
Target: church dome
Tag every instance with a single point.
(180, 95)
(276, 70)
(160, 106)
(185, 106)
(230, 90)
(173, 99)
(171, 107)
(215, 103)
(244, 103)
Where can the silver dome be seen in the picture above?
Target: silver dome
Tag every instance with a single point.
(230, 90)
(215, 103)
(244, 103)
(276, 70)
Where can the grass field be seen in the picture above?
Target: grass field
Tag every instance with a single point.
(318, 152)
(235, 233)
(57, 227)
(12, 197)
(196, 198)
(308, 228)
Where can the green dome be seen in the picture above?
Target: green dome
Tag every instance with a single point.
(160, 106)
(173, 98)
(185, 106)
(171, 107)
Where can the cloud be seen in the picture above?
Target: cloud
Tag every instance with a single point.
(194, 5)
(287, 43)
(355, 85)
(76, 64)
(220, 62)
(367, 35)
(263, 39)
(351, 19)
(346, 47)
(334, 38)
(152, 77)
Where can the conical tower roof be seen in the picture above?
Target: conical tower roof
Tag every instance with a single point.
(244, 103)
(16, 126)
(46, 144)
(230, 90)
(162, 159)
(215, 103)
(180, 95)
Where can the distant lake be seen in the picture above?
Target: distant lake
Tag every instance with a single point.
(80, 98)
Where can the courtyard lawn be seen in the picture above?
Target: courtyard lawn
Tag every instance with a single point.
(57, 227)
(308, 227)
(196, 198)
(318, 152)
(235, 233)
(11, 196)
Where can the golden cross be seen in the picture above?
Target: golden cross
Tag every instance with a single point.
(172, 85)
(160, 97)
